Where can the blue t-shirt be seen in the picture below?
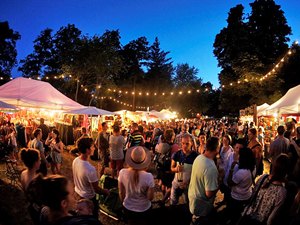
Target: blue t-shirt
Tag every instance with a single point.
(180, 157)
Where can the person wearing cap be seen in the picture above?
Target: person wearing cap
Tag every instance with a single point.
(136, 186)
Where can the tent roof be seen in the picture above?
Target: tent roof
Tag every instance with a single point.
(90, 110)
(262, 107)
(288, 103)
(4, 105)
(23, 92)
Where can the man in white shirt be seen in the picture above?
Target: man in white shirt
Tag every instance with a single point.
(85, 175)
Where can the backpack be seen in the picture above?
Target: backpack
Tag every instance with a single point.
(162, 161)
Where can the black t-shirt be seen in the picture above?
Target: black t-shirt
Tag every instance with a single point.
(78, 220)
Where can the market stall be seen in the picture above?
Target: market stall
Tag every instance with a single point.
(38, 99)
(286, 107)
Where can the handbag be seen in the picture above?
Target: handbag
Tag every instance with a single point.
(248, 219)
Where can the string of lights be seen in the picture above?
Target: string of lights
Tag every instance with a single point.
(122, 102)
(267, 75)
(171, 93)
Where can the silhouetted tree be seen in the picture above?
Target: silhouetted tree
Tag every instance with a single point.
(8, 52)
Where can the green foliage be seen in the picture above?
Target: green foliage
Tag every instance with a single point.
(246, 50)
(8, 52)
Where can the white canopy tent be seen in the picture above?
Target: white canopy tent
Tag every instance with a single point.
(23, 92)
(89, 110)
(261, 109)
(288, 104)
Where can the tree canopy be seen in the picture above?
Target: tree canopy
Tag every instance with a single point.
(8, 52)
(246, 50)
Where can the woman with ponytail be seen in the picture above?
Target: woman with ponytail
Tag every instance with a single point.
(136, 186)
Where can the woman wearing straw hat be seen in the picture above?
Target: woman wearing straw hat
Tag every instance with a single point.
(136, 186)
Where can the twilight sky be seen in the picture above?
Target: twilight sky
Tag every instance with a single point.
(186, 28)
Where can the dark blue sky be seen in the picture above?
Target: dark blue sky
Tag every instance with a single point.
(186, 28)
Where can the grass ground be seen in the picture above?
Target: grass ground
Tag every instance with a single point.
(67, 171)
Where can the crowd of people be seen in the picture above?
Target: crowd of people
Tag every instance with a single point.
(191, 160)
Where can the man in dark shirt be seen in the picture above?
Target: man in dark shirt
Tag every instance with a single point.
(45, 130)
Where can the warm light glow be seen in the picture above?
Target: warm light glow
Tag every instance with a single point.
(275, 115)
(172, 93)
(140, 93)
(189, 92)
(180, 92)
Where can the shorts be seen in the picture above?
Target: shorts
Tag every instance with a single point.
(116, 164)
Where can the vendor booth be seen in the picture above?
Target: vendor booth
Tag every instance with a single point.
(38, 99)
(286, 106)
(92, 118)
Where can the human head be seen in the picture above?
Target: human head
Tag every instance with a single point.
(37, 132)
(184, 128)
(85, 207)
(58, 193)
(104, 126)
(212, 145)
(135, 127)
(186, 142)
(240, 143)
(246, 159)
(252, 132)
(55, 132)
(116, 128)
(124, 132)
(141, 129)
(226, 140)
(31, 158)
(42, 121)
(85, 145)
(138, 157)
(280, 130)
(169, 135)
(202, 138)
(280, 167)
